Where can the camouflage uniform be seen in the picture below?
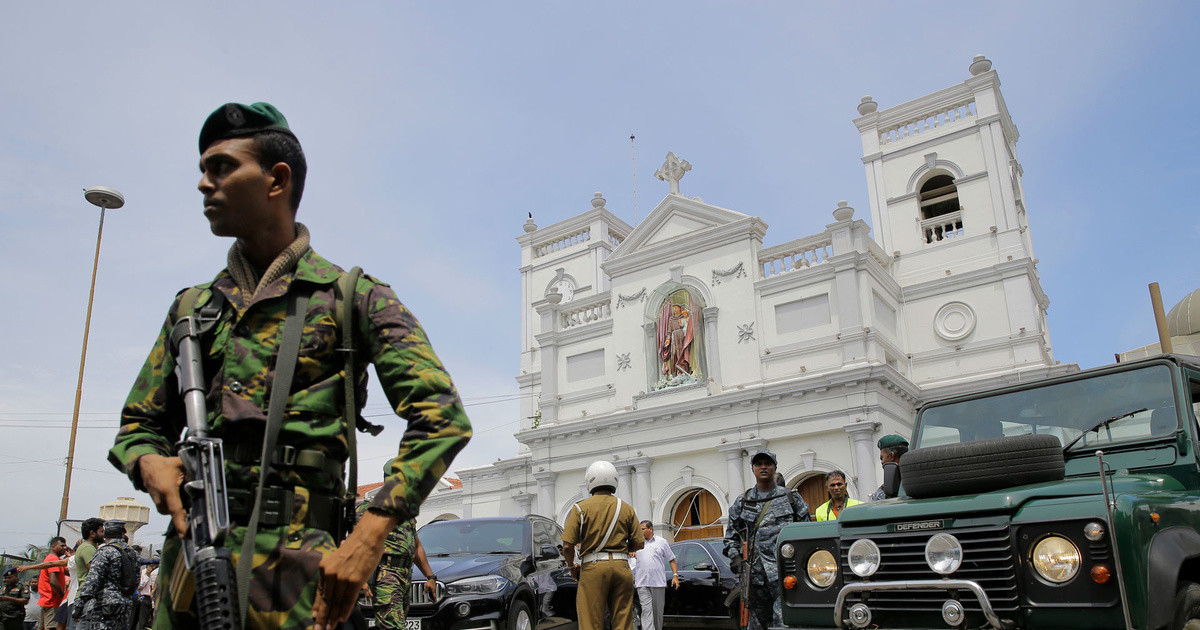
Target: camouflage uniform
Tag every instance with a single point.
(12, 614)
(239, 355)
(104, 605)
(395, 574)
(783, 506)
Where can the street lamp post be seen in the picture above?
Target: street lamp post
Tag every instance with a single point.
(104, 198)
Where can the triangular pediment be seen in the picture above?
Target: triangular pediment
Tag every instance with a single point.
(674, 219)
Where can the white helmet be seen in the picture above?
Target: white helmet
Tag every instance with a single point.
(599, 475)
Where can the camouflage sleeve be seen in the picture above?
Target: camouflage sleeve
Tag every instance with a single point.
(733, 533)
(419, 390)
(799, 507)
(147, 426)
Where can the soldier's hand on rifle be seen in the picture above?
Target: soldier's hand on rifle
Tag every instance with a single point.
(162, 477)
(736, 563)
(344, 571)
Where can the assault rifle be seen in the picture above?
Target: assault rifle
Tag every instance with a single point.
(742, 592)
(204, 490)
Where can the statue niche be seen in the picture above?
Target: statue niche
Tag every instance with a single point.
(679, 341)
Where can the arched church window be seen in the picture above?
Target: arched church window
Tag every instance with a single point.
(679, 349)
(941, 216)
(696, 515)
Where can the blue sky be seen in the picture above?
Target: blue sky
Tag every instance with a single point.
(432, 129)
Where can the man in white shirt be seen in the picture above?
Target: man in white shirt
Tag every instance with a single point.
(650, 577)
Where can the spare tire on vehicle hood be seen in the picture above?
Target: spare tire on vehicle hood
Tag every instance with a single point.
(982, 466)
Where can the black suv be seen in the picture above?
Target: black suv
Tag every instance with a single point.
(494, 573)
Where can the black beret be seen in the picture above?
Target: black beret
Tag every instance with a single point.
(233, 120)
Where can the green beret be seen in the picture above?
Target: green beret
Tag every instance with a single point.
(889, 441)
(234, 120)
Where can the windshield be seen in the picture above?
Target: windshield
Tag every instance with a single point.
(451, 537)
(1064, 410)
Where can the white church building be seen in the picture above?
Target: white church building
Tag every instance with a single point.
(679, 347)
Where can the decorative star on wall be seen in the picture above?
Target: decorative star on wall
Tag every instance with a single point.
(745, 332)
(623, 361)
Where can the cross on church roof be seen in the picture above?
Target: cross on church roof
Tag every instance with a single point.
(672, 171)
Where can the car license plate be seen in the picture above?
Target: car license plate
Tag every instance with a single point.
(412, 624)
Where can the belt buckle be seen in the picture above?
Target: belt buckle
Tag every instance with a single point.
(287, 455)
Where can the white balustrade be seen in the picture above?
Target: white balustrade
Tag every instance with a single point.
(940, 118)
(942, 227)
(594, 310)
(615, 239)
(574, 238)
(798, 254)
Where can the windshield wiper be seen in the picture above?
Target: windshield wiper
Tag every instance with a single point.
(1101, 425)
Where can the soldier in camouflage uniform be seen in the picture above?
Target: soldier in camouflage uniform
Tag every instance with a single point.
(103, 603)
(391, 597)
(252, 177)
(757, 516)
(891, 449)
(13, 599)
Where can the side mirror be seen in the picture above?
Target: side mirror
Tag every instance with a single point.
(891, 479)
(704, 566)
(548, 552)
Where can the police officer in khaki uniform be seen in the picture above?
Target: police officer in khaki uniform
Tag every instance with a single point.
(604, 529)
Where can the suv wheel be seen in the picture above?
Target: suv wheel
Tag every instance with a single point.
(1187, 607)
(519, 617)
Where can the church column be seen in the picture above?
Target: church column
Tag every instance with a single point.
(524, 501)
(862, 434)
(847, 239)
(712, 348)
(548, 401)
(641, 487)
(624, 482)
(735, 457)
(546, 505)
(650, 333)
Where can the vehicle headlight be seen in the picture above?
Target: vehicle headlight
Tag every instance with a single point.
(822, 568)
(864, 558)
(477, 585)
(787, 550)
(1056, 559)
(1093, 531)
(944, 554)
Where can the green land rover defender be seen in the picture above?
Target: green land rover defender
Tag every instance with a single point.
(1004, 519)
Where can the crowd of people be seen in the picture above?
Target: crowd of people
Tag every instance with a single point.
(100, 583)
(620, 558)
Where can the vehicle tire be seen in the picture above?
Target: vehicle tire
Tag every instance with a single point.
(1187, 607)
(973, 467)
(519, 617)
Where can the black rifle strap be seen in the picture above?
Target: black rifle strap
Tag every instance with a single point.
(281, 386)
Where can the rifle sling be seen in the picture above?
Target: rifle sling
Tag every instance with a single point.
(346, 285)
(281, 386)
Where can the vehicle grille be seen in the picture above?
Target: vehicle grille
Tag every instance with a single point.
(418, 596)
(988, 559)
